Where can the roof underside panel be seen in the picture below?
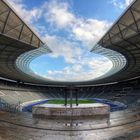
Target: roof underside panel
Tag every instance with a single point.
(124, 37)
(16, 38)
(125, 28)
(11, 25)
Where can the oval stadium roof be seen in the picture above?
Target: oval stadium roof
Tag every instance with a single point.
(19, 45)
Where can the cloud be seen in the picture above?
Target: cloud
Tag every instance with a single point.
(88, 31)
(128, 2)
(28, 15)
(82, 65)
(58, 13)
(62, 47)
(82, 34)
(76, 72)
(122, 4)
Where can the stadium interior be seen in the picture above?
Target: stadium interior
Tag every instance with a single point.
(21, 89)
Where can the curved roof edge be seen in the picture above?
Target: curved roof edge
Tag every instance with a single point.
(24, 60)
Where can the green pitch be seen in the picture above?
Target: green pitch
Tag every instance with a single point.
(68, 102)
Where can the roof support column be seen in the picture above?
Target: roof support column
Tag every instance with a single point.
(21, 32)
(6, 21)
(134, 19)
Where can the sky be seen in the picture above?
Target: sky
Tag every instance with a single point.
(70, 28)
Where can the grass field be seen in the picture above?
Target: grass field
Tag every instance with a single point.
(68, 102)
